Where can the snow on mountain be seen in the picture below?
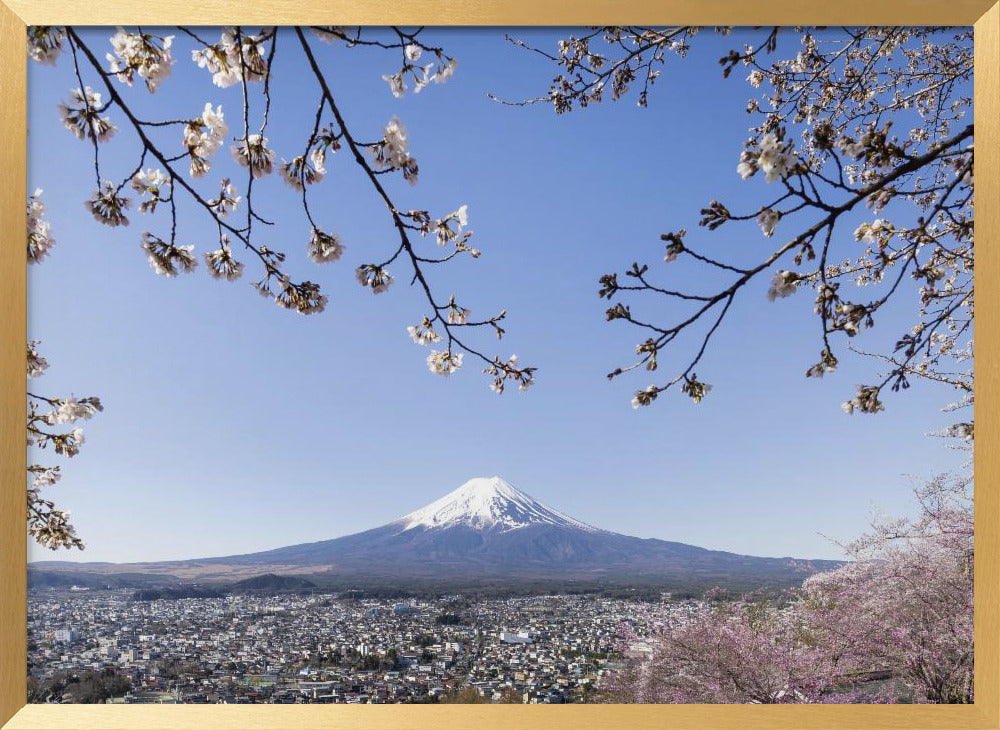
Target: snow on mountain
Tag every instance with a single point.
(488, 504)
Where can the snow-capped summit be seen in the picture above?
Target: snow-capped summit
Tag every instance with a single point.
(488, 504)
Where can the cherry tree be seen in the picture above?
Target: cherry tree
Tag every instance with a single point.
(902, 606)
(173, 161)
(905, 601)
(740, 652)
(867, 124)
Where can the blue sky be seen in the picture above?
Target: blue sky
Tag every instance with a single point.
(231, 425)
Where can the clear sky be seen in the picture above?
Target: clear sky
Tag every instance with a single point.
(231, 425)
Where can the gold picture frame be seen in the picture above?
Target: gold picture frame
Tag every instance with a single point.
(16, 14)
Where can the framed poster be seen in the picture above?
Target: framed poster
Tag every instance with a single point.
(224, 584)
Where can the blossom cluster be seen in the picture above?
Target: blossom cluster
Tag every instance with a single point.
(502, 371)
(40, 240)
(151, 182)
(444, 362)
(783, 284)
(448, 230)
(45, 43)
(304, 170)
(392, 152)
(47, 525)
(235, 57)
(324, 247)
(107, 206)
(221, 264)
(68, 410)
(866, 401)
(168, 259)
(142, 54)
(227, 201)
(773, 156)
(203, 136)
(304, 298)
(376, 278)
(253, 154)
(645, 397)
(423, 333)
(82, 116)
(37, 364)
(437, 73)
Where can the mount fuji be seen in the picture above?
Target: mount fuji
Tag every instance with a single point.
(487, 529)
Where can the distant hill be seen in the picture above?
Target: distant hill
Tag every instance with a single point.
(173, 593)
(272, 582)
(92, 578)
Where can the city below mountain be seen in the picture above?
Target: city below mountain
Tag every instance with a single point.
(485, 533)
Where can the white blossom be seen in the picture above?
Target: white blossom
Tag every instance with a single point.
(645, 397)
(45, 43)
(444, 363)
(374, 277)
(783, 285)
(222, 265)
(230, 61)
(325, 247)
(253, 153)
(964, 431)
(392, 153)
(227, 200)
(299, 171)
(328, 33)
(412, 52)
(216, 124)
(457, 315)
(165, 258)
(139, 53)
(151, 182)
(72, 445)
(866, 401)
(107, 206)
(424, 333)
(425, 78)
(40, 240)
(82, 117)
(203, 136)
(767, 219)
(446, 71)
(443, 229)
(37, 364)
(503, 371)
(747, 166)
(775, 159)
(46, 477)
(318, 159)
(305, 298)
(674, 249)
(71, 409)
(396, 85)
(870, 232)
